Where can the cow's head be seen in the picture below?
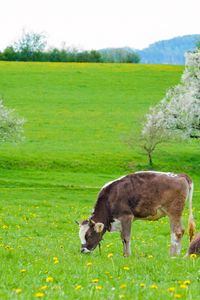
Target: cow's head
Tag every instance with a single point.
(90, 234)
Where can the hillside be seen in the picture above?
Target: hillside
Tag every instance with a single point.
(76, 118)
(169, 51)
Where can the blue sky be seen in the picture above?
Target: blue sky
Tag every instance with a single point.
(94, 24)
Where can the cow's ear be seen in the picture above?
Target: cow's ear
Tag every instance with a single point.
(98, 227)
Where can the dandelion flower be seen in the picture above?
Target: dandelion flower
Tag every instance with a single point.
(171, 289)
(23, 271)
(123, 286)
(4, 226)
(49, 279)
(193, 255)
(99, 287)
(126, 268)
(142, 285)
(42, 288)
(153, 286)
(184, 286)
(177, 296)
(110, 255)
(95, 280)
(39, 295)
(89, 264)
(18, 291)
(78, 287)
(187, 282)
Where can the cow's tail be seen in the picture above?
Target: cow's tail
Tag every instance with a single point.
(191, 223)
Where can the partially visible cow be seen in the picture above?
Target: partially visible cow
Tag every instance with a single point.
(194, 247)
(144, 195)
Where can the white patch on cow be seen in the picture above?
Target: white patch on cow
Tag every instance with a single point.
(85, 250)
(157, 172)
(82, 232)
(116, 225)
(110, 182)
(175, 243)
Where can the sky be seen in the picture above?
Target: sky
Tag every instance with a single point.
(96, 24)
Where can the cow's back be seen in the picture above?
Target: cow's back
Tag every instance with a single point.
(142, 194)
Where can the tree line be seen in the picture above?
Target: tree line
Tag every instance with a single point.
(32, 47)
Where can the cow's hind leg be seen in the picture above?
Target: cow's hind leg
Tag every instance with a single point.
(177, 232)
(126, 234)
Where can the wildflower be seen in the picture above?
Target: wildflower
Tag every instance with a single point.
(177, 296)
(18, 226)
(55, 260)
(121, 296)
(153, 286)
(42, 288)
(142, 285)
(150, 256)
(18, 291)
(171, 289)
(89, 264)
(99, 287)
(123, 286)
(187, 282)
(95, 280)
(78, 287)
(4, 226)
(39, 295)
(109, 245)
(23, 271)
(184, 286)
(110, 255)
(126, 268)
(49, 279)
(193, 255)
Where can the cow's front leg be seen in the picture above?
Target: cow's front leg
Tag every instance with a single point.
(126, 234)
(177, 232)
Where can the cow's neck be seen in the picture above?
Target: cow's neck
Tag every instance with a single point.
(101, 213)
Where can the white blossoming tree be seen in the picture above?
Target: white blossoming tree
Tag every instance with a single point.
(11, 126)
(178, 114)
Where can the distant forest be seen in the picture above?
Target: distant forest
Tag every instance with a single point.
(32, 47)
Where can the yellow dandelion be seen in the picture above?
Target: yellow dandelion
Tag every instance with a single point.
(99, 287)
(184, 286)
(187, 282)
(4, 226)
(18, 291)
(18, 226)
(171, 289)
(153, 286)
(142, 285)
(123, 286)
(78, 287)
(193, 255)
(177, 296)
(126, 268)
(110, 255)
(42, 288)
(89, 264)
(39, 295)
(49, 279)
(23, 271)
(95, 280)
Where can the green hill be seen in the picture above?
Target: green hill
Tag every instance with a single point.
(76, 118)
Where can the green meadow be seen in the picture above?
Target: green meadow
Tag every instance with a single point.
(78, 117)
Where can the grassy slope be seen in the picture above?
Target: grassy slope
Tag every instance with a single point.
(76, 117)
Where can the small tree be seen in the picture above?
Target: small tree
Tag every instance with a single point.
(11, 126)
(178, 114)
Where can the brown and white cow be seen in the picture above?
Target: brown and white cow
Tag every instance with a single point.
(147, 195)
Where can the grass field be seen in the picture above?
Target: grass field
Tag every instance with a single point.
(77, 116)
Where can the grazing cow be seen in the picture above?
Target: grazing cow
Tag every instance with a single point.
(144, 195)
(194, 247)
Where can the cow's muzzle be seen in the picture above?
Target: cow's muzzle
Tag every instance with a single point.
(85, 250)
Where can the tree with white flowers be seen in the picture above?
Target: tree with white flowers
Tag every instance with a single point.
(11, 126)
(178, 114)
